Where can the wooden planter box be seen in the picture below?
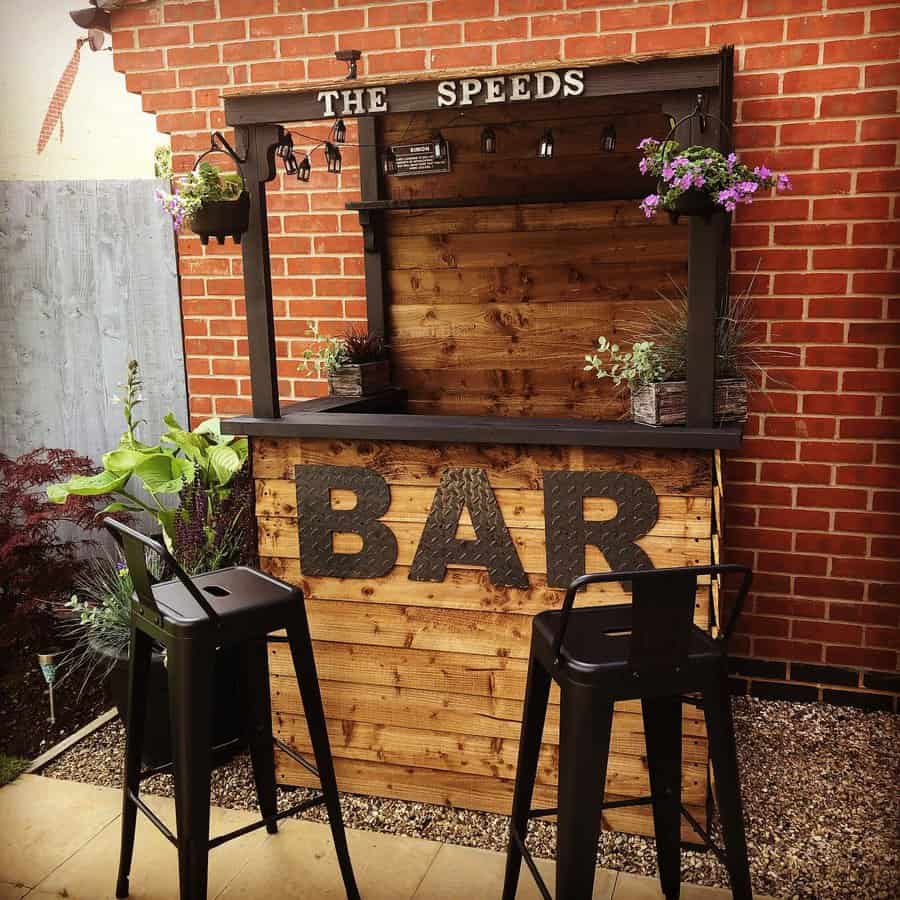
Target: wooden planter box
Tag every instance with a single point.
(665, 403)
(360, 380)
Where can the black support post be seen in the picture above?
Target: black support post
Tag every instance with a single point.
(370, 190)
(256, 144)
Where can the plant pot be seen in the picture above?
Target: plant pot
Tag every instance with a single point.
(157, 749)
(665, 403)
(693, 203)
(220, 218)
(360, 380)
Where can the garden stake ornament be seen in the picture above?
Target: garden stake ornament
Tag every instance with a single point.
(48, 663)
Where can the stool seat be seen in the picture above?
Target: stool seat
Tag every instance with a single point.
(235, 592)
(598, 640)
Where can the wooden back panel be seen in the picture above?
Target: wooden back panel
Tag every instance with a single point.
(490, 310)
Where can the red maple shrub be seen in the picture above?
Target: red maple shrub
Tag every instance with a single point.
(37, 561)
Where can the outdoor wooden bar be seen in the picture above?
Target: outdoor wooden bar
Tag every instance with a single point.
(428, 523)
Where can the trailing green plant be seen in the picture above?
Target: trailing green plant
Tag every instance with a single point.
(203, 456)
(205, 183)
(328, 354)
(639, 365)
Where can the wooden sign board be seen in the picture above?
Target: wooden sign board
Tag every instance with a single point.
(418, 159)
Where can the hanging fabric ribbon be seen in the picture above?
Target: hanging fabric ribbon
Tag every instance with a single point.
(59, 98)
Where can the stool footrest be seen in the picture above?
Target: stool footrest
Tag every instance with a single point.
(153, 817)
(296, 757)
(268, 820)
(532, 866)
(613, 804)
(704, 836)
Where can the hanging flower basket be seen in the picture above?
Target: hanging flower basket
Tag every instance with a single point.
(700, 180)
(211, 203)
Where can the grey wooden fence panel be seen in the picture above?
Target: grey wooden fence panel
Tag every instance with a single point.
(88, 280)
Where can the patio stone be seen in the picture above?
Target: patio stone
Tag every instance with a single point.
(91, 873)
(638, 887)
(46, 821)
(299, 863)
(12, 891)
(466, 872)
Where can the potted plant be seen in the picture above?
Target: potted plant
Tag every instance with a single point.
(356, 364)
(700, 180)
(211, 202)
(655, 366)
(198, 490)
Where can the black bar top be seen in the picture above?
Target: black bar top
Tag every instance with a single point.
(377, 419)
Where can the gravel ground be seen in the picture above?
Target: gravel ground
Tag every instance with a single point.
(820, 794)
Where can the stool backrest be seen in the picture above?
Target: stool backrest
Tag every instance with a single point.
(662, 614)
(134, 546)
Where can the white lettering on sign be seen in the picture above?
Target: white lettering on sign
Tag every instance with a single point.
(463, 92)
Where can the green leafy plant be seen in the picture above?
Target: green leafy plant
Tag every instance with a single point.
(640, 365)
(328, 354)
(180, 458)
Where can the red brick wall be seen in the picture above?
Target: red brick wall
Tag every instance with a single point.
(813, 501)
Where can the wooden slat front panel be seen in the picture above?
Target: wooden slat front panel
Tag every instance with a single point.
(423, 682)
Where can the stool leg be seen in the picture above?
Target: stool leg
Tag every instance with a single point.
(723, 752)
(662, 731)
(585, 726)
(308, 681)
(258, 723)
(537, 690)
(190, 666)
(138, 679)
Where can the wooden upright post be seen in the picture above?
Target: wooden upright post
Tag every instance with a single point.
(371, 221)
(256, 144)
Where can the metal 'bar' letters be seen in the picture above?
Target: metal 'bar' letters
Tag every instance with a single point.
(319, 521)
(568, 533)
(492, 548)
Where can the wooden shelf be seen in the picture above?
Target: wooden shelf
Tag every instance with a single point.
(454, 202)
(368, 423)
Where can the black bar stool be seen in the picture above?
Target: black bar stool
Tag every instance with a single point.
(649, 650)
(190, 618)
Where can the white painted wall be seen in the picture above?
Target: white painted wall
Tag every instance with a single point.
(107, 135)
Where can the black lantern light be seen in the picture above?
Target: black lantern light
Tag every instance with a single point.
(439, 146)
(340, 132)
(390, 161)
(333, 158)
(545, 146)
(304, 169)
(285, 146)
(608, 141)
(488, 140)
(290, 164)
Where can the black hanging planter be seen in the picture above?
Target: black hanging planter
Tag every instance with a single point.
(693, 203)
(222, 218)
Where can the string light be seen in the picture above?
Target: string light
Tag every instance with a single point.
(488, 140)
(545, 146)
(439, 146)
(390, 161)
(332, 158)
(304, 169)
(340, 132)
(608, 141)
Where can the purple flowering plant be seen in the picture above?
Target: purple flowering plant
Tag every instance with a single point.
(725, 179)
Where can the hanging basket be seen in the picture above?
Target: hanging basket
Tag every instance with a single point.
(692, 202)
(222, 218)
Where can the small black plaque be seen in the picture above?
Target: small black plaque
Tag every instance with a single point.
(418, 159)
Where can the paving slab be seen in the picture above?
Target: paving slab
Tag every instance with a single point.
(46, 821)
(12, 891)
(639, 887)
(299, 863)
(464, 872)
(91, 873)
